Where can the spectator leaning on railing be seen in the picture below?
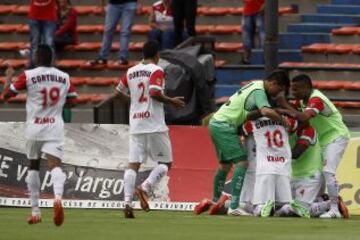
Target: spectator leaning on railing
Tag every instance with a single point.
(116, 10)
(161, 22)
(42, 22)
(66, 29)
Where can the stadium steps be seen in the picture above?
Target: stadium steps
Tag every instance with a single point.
(330, 53)
(313, 27)
(346, 35)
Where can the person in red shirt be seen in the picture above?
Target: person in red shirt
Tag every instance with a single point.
(66, 30)
(253, 20)
(42, 22)
(161, 22)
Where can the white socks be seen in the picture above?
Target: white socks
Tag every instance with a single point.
(154, 177)
(319, 208)
(333, 190)
(58, 178)
(33, 183)
(129, 185)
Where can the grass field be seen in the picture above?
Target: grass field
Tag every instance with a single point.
(110, 224)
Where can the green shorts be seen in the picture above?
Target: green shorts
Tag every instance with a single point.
(227, 142)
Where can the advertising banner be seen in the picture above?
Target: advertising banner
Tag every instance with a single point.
(95, 157)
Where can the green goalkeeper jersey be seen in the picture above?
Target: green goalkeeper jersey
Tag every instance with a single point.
(328, 124)
(311, 160)
(250, 97)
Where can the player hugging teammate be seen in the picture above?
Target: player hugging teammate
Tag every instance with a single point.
(288, 159)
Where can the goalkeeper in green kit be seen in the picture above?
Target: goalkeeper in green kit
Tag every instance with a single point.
(223, 128)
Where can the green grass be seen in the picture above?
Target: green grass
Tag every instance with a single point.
(110, 224)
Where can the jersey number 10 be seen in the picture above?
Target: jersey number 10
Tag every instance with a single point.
(274, 138)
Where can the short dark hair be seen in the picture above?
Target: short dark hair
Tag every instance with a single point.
(44, 55)
(151, 49)
(304, 79)
(280, 76)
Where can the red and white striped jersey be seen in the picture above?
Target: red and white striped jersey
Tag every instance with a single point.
(47, 91)
(146, 114)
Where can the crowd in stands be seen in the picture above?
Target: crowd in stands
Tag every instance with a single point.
(172, 21)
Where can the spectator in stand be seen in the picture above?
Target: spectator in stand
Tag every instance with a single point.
(184, 10)
(66, 30)
(42, 22)
(253, 20)
(161, 22)
(116, 10)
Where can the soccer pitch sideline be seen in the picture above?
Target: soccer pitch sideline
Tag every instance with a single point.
(110, 224)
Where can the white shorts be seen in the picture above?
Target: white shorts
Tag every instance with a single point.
(272, 187)
(333, 153)
(156, 146)
(35, 149)
(307, 189)
(247, 192)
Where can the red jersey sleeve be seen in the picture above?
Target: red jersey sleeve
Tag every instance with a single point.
(157, 80)
(71, 92)
(156, 83)
(314, 106)
(307, 136)
(20, 83)
(293, 124)
(123, 84)
(248, 128)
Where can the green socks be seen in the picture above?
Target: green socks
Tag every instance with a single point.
(219, 183)
(236, 185)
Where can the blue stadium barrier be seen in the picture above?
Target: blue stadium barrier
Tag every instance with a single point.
(334, 9)
(229, 75)
(331, 18)
(285, 55)
(313, 27)
(346, 2)
(296, 40)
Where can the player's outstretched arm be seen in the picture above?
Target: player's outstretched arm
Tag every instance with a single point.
(272, 114)
(177, 102)
(8, 93)
(253, 115)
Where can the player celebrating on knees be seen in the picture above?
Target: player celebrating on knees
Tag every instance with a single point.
(306, 168)
(332, 133)
(273, 167)
(148, 131)
(223, 130)
(48, 89)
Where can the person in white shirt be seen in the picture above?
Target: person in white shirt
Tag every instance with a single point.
(48, 89)
(148, 132)
(273, 166)
(161, 23)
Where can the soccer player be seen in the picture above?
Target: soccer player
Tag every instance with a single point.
(306, 165)
(332, 132)
(148, 131)
(48, 89)
(273, 167)
(223, 130)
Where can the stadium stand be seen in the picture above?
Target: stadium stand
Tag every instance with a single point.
(316, 37)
